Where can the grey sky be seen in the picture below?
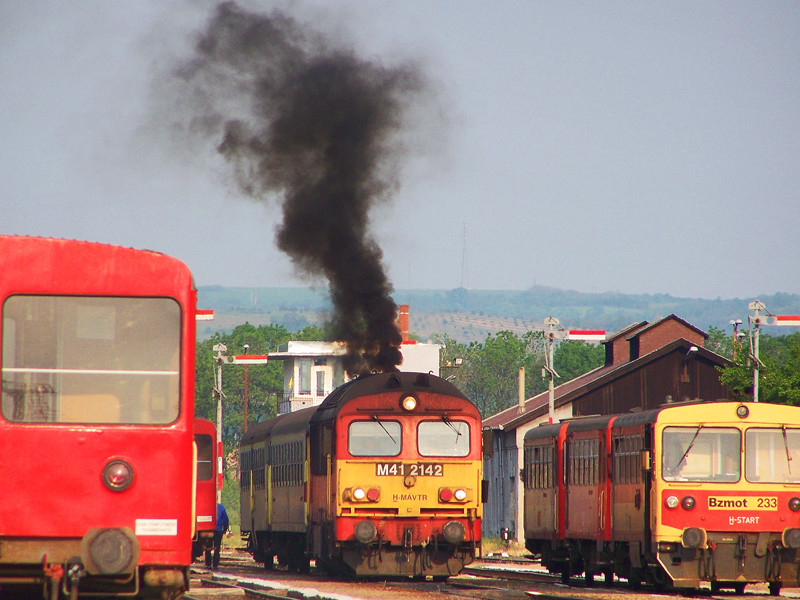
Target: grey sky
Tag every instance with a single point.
(640, 147)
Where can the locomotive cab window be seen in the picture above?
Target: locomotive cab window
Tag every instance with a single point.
(772, 455)
(78, 359)
(443, 438)
(701, 454)
(374, 438)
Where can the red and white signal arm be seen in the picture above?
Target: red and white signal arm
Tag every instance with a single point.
(587, 335)
(250, 359)
(204, 314)
(787, 320)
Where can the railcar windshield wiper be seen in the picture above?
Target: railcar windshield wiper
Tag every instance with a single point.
(378, 421)
(786, 448)
(689, 447)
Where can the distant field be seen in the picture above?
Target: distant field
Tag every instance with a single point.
(471, 315)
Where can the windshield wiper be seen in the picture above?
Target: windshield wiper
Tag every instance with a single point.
(786, 448)
(452, 426)
(689, 447)
(378, 421)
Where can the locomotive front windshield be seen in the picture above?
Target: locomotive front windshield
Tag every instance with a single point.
(701, 454)
(374, 438)
(78, 359)
(772, 455)
(443, 438)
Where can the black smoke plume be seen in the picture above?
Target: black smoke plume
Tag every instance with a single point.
(310, 122)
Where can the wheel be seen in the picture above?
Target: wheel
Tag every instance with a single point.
(588, 578)
(774, 588)
(635, 579)
(608, 578)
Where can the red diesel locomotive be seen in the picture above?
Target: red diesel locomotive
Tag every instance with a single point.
(674, 496)
(97, 420)
(384, 478)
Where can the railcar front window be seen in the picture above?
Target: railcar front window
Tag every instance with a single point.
(772, 455)
(78, 359)
(701, 454)
(374, 438)
(443, 438)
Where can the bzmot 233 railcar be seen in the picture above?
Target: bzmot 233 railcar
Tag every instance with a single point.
(675, 496)
(384, 478)
(97, 411)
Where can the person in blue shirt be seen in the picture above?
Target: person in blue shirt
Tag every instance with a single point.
(222, 527)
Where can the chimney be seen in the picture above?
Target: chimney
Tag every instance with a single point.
(402, 321)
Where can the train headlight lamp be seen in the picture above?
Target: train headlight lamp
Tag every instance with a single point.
(688, 503)
(671, 502)
(794, 504)
(742, 411)
(460, 495)
(408, 403)
(117, 475)
(359, 494)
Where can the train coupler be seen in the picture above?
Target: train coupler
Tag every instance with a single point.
(75, 571)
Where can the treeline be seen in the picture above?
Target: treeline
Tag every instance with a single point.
(487, 374)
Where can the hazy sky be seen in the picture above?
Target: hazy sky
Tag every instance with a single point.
(639, 147)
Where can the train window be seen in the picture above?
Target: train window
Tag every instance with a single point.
(205, 457)
(443, 438)
(772, 455)
(701, 454)
(374, 438)
(79, 359)
(625, 458)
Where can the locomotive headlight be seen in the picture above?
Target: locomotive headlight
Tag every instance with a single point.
(408, 403)
(117, 475)
(794, 504)
(460, 495)
(671, 502)
(742, 411)
(688, 503)
(359, 494)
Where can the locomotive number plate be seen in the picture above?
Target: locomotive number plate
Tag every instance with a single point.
(742, 502)
(415, 469)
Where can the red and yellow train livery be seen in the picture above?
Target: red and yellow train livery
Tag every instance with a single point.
(384, 478)
(675, 496)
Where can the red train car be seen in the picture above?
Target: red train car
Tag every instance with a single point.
(384, 478)
(97, 419)
(205, 438)
(677, 496)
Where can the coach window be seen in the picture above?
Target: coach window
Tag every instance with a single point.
(374, 438)
(443, 438)
(701, 454)
(79, 359)
(205, 457)
(772, 455)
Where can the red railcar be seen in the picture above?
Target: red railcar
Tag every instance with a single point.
(97, 419)
(205, 438)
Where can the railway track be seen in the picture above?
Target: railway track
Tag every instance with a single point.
(239, 577)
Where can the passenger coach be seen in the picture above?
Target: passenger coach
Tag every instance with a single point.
(96, 418)
(675, 496)
(384, 478)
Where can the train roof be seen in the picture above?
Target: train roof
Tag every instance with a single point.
(378, 383)
(289, 422)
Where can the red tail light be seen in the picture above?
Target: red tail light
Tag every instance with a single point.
(117, 475)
